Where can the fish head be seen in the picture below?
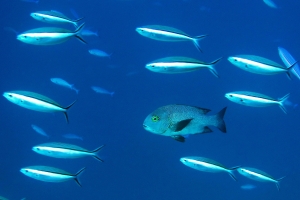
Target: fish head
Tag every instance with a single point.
(28, 38)
(153, 67)
(36, 16)
(13, 97)
(158, 122)
(234, 60)
(28, 172)
(184, 160)
(143, 31)
(233, 97)
(242, 171)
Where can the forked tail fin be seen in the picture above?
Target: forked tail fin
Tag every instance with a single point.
(231, 174)
(95, 152)
(196, 41)
(212, 67)
(281, 102)
(220, 121)
(77, 175)
(277, 183)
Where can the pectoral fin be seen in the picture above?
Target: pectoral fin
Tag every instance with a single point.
(178, 138)
(180, 125)
(207, 130)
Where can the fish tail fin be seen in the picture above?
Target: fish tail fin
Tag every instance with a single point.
(76, 21)
(290, 68)
(79, 19)
(278, 183)
(220, 121)
(77, 175)
(66, 109)
(281, 102)
(196, 41)
(75, 89)
(212, 68)
(77, 33)
(95, 152)
(230, 172)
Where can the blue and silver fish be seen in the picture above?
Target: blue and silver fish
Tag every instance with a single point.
(39, 130)
(207, 165)
(102, 90)
(50, 35)
(53, 17)
(288, 60)
(254, 99)
(99, 53)
(258, 175)
(37, 102)
(168, 34)
(50, 174)
(72, 136)
(63, 150)
(61, 82)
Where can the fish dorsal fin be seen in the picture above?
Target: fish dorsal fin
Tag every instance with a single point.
(65, 146)
(178, 138)
(48, 30)
(37, 96)
(166, 28)
(180, 125)
(262, 60)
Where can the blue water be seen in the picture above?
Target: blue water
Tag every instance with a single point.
(138, 164)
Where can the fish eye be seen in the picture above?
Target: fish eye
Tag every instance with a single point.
(155, 118)
(10, 95)
(230, 95)
(26, 170)
(38, 149)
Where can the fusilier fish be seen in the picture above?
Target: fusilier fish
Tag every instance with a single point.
(168, 34)
(37, 102)
(102, 90)
(63, 150)
(50, 174)
(258, 175)
(61, 82)
(72, 136)
(53, 17)
(288, 60)
(50, 35)
(207, 165)
(99, 53)
(178, 121)
(259, 65)
(173, 65)
(254, 99)
(39, 130)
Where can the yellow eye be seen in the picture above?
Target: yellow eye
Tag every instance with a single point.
(155, 118)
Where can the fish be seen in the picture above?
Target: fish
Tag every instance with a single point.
(174, 65)
(254, 99)
(31, 1)
(248, 187)
(207, 165)
(270, 3)
(39, 130)
(54, 17)
(168, 34)
(3, 198)
(288, 60)
(72, 136)
(36, 102)
(178, 121)
(258, 175)
(50, 35)
(87, 32)
(99, 53)
(63, 150)
(102, 90)
(50, 174)
(61, 82)
(258, 65)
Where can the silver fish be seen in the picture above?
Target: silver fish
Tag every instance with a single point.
(64, 83)
(50, 174)
(63, 150)
(173, 65)
(178, 121)
(168, 34)
(258, 175)
(258, 65)
(53, 17)
(87, 32)
(39, 130)
(37, 102)
(50, 35)
(72, 136)
(102, 90)
(99, 53)
(254, 99)
(207, 165)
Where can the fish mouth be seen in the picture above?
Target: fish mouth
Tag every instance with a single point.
(145, 127)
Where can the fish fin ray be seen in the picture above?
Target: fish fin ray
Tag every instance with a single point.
(96, 151)
(219, 117)
(77, 175)
(180, 125)
(281, 102)
(196, 41)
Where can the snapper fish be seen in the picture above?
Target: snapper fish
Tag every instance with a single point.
(258, 175)
(50, 174)
(256, 99)
(207, 165)
(63, 150)
(168, 34)
(54, 17)
(288, 60)
(50, 35)
(61, 82)
(174, 65)
(178, 121)
(36, 102)
(259, 65)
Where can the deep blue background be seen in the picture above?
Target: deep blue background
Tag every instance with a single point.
(138, 164)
